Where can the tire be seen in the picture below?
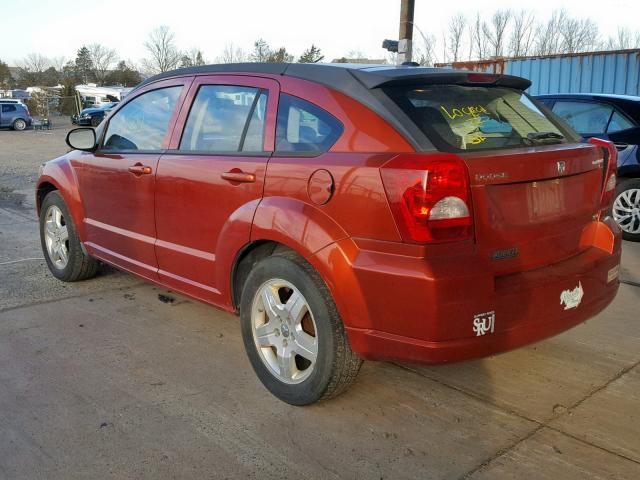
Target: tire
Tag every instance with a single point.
(56, 234)
(95, 121)
(626, 208)
(288, 277)
(19, 124)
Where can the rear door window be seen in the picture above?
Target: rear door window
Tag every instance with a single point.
(226, 118)
(143, 122)
(9, 108)
(303, 127)
(584, 117)
(466, 118)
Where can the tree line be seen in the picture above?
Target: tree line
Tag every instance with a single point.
(98, 64)
(505, 32)
(515, 33)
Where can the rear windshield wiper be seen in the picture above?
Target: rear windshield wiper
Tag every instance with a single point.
(544, 136)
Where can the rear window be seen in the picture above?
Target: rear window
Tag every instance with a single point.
(469, 118)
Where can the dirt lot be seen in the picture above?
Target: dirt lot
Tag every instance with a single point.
(101, 380)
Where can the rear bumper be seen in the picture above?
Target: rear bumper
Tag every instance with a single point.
(423, 310)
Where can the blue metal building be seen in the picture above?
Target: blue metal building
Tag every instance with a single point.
(590, 72)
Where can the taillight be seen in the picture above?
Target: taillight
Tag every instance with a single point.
(430, 197)
(610, 168)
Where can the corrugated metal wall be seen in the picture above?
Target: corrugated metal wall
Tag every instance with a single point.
(596, 72)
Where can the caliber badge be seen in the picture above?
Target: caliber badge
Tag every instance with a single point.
(484, 323)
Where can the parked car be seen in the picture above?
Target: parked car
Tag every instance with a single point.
(345, 212)
(15, 115)
(94, 115)
(11, 100)
(615, 118)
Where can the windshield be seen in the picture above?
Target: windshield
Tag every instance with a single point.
(463, 118)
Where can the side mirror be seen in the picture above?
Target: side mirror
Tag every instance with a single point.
(82, 139)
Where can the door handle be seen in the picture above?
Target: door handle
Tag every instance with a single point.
(621, 146)
(238, 176)
(139, 169)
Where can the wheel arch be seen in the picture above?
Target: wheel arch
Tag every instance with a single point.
(58, 175)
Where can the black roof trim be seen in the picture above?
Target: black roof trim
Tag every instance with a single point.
(269, 68)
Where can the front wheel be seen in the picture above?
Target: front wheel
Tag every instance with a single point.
(95, 121)
(63, 253)
(19, 125)
(293, 333)
(626, 208)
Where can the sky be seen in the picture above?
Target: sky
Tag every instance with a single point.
(59, 28)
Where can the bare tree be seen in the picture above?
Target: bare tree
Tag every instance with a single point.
(495, 31)
(58, 63)
(522, 30)
(161, 46)
(548, 35)
(425, 53)
(479, 43)
(457, 25)
(578, 35)
(623, 40)
(34, 63)
(232, 54)
(102, 59)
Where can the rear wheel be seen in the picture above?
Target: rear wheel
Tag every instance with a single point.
(60, 243)
(626, 208)
(19, 124)
(293, 333)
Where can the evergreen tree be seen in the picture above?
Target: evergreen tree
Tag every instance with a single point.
(261, 51)
(84, 65)
(280, 56)
(311, 55)
(123, 75)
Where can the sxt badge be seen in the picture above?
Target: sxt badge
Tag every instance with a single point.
(484, 323)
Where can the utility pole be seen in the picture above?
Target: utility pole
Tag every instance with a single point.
(406, 30)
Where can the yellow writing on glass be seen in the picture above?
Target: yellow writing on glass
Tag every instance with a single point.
(477, 139)
(470, 111)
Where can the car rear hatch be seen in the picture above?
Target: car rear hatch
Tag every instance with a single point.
(534, 188)
(531, 206)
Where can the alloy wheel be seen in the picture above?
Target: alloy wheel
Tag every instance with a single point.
(56, 237)
(284, 331)
(626, 210)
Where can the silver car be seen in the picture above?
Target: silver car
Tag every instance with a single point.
(15, 115)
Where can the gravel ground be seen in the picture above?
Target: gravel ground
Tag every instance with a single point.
(21, 155)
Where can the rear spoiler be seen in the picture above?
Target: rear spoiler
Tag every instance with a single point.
(377, 78)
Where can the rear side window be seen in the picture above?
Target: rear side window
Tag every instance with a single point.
(468, 118)
(584, 117)
(304, 128)
(618, 123)
(226, 118)
(142, 123)
(9, 108)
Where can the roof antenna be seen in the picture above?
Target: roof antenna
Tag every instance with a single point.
(410, 64)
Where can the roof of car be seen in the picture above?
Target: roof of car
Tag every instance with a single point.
(335, 74)
(360, 82)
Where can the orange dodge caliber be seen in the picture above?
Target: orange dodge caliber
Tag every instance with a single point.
(346, 212)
